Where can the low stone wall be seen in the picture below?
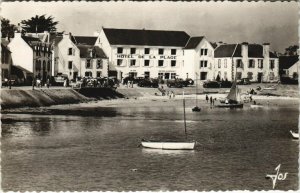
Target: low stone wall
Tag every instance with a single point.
(39, 97)
(45, 97)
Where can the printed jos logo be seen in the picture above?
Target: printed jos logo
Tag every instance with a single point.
(277, 176)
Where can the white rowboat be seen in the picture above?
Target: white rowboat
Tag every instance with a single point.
(169, 145)
(256, 106)
(295, 135)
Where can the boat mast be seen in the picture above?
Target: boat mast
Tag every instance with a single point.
(196, 90)
(184, 116)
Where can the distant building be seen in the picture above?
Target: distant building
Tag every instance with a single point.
(32, 55)
(77, 56)
(288, 66)
(252, 61)
(152, 53)
(6, 61)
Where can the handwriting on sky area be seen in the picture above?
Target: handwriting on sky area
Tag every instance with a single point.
(277, 176)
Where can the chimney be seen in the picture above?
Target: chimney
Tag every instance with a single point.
(266, 50)
(67, 35)
(96, 33)
(17, 34)
(47, 36)
(245, 49)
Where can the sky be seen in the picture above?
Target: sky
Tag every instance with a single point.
(231, 22)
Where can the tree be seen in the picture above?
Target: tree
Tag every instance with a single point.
(7, 29)
(39, 24)
(292, 50)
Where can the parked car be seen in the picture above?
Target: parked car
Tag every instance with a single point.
(211, 84)
(244, 81)
(58, 80)
(188, 81)
(148, 83)
(225, 84)
(177, 83)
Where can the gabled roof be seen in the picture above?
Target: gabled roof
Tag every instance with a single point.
(85, 40)
(193, 42)
(285, 62)
(235, 50)
(31, 40)
(225, 50)
(86, 49)
(146, 37)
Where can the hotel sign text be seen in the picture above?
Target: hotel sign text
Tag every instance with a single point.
(146, 57)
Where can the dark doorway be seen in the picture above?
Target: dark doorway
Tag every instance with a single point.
(259, 77)
(203, 75)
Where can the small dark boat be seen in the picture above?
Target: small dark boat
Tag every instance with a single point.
(196, 109)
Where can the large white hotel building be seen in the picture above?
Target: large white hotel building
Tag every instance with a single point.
(156, 54)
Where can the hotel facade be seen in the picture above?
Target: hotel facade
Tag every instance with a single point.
(155, 54)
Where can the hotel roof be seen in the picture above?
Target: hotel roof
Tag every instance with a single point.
(193, 42)
(146, 37)
(235, 50)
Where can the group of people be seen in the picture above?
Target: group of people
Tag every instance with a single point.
(210, 99)
(40, 82)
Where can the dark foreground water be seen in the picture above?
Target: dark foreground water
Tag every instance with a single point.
(99, 150)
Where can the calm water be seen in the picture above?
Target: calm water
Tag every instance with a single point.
(99, 150)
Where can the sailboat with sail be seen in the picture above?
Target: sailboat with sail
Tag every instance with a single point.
(233, 99)
(177, 145)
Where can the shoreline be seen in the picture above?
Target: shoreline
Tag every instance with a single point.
(53, 97)
(146, 102)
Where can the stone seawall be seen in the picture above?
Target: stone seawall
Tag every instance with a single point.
(40, 97)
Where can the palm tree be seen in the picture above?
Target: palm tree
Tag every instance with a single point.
(7, 29)
(39, 24)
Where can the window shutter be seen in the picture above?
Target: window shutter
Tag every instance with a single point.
(73, 51)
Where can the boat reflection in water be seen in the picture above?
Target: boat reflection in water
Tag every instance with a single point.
(166, 152)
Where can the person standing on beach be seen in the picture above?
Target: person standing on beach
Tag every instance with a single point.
(211, 101)
(207, 98)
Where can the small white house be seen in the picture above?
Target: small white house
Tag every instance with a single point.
(32, 55)
(77, 56)
(199, 59)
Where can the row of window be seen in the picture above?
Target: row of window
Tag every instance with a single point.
(166, 75)
(161, 51)
(251, 63)
(46, 65)
(90, 74)
(161, 63)
(249, 75)
(99, 64)
(42, 49)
